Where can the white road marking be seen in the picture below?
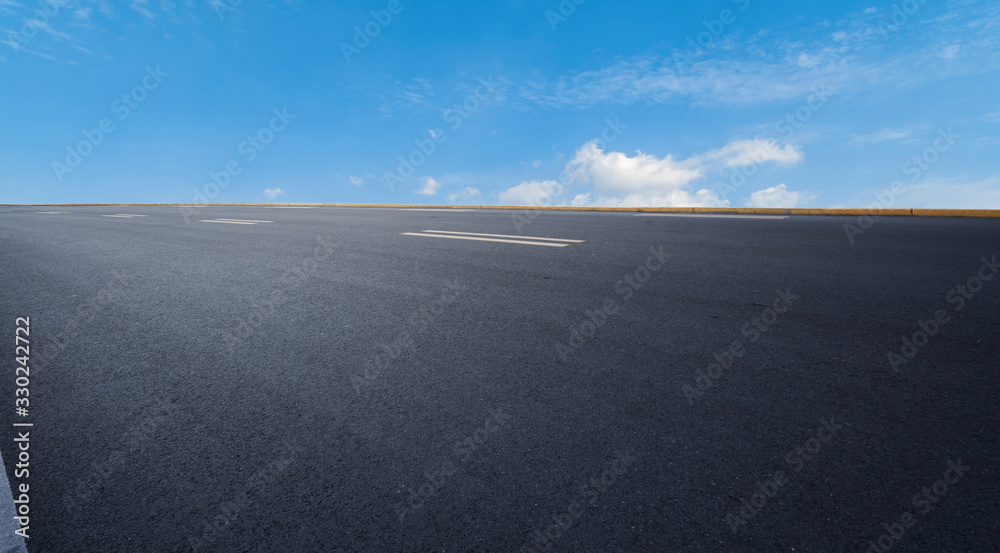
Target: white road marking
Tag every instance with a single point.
(507, 236)
(485, 239)
(450, 210)
(51, 212)
(123, 216)
(243, 220)
(711, 215)
(229, 222)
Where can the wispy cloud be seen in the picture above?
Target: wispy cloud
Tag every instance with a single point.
(899, 134)
(770, 67)
(273, 193)
(7, 7)
(466, 194)
(953, 193)
(140, 6)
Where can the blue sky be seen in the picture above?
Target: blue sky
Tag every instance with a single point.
(724, 103)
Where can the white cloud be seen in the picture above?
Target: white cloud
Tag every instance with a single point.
(356, 181)
(776, 196)
(273, 193)
(430, 188)
(902, 134)
(772, 66)
(742, 153)
(44, 25)
(616, 172)
(534, 193)
(952, 194)
(536, 164)
(950, 52)
(466, 194)
(807, 61)
(140, 6)
(644, 180)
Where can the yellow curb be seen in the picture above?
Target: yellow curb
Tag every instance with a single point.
(955, 212)
(979, 213)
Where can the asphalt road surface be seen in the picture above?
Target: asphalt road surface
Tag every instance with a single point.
(250, 379)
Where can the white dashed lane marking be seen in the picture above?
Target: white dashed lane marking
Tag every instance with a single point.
(504, 238)
(711, 216)
(123, 216)
(235, 221)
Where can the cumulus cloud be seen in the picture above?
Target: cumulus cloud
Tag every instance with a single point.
(273, 193)
(617, 172)
(776, 196)
(430, 188)
(356, 181)
(645, 180)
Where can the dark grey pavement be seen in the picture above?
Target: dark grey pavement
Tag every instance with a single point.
(323, 382)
